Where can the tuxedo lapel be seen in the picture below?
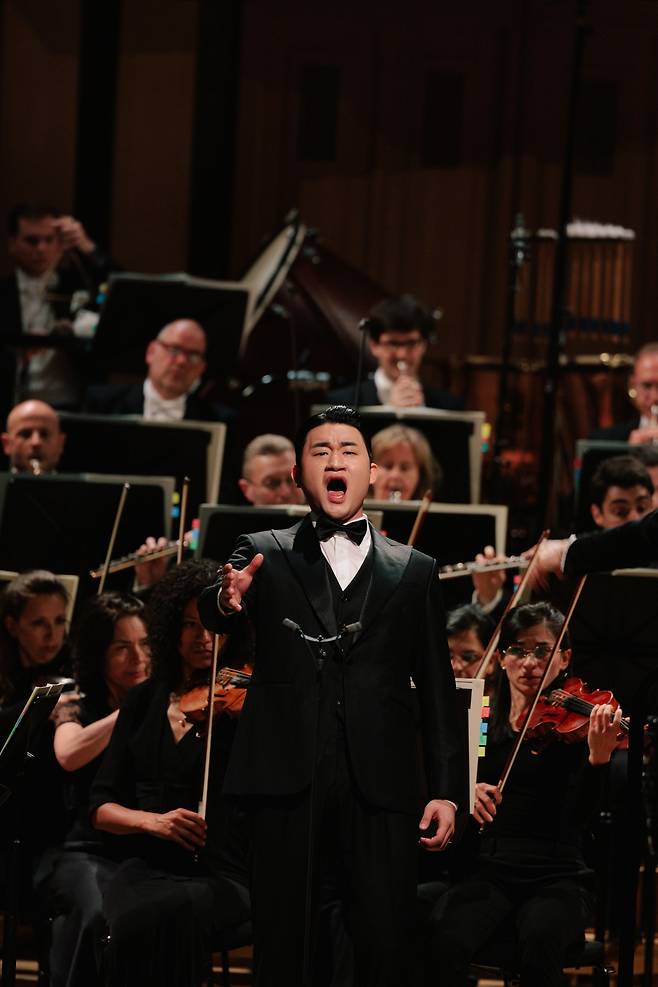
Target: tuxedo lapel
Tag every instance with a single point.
(301, 548)
(389, 564)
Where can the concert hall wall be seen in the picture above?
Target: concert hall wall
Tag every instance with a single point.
(407, 133)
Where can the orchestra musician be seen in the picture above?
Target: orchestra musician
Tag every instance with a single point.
(406, 466)
(181, 878)
(33, 650)
(328, 730)
(110, 655)
(528, 873)
(469, 631)
(643, 386)
(33, 440)
(399, 330)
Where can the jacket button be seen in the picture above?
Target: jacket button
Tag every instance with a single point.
(323, 653)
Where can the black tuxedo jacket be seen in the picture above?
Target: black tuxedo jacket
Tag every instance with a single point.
(128, 399)
(434, 398)
(633, 544)
(616, 433)
(402, 635)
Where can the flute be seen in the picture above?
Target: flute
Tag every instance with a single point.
(460, 569)
(135, 558)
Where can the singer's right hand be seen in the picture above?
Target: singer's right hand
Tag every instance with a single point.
(236, 582)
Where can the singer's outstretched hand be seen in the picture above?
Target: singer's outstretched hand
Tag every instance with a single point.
(236, 582)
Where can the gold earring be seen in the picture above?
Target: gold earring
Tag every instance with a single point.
(632, 393)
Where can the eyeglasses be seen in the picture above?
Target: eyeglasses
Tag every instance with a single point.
(276, 482)
(401, 344)
(540, 652)
(191, 356)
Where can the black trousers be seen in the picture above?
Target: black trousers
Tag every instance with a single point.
(69, 884)
(364, 860)
(528, 890)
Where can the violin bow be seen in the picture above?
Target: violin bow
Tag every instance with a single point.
(513, 602)
(420, 517)
(556, 647)
(203, 801)
(110, 547)
(181, 522)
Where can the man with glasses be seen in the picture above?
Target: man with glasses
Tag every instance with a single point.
(399, 329)
(267, 467)
(176, 361)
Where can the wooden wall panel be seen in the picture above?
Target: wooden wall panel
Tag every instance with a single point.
(154, 135)
(38, 103)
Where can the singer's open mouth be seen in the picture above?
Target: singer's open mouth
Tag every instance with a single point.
(336, 489)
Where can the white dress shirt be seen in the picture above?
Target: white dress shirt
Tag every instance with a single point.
(159, 409)
(343, 555)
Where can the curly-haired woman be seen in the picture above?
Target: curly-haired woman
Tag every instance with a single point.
(182, 879)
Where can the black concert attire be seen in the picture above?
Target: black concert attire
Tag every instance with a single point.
(73, 286)
(164, 910)
(347, 714)
(70, 878)
(616, 433)
(434, 397)
(632, 544)
(128, 399)
(41, 809)
(527, 880)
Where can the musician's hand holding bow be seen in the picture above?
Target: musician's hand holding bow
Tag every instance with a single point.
(236, 582)
(181, 826)
(487, 798)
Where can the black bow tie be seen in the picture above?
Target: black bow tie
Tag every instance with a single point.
(355, 531)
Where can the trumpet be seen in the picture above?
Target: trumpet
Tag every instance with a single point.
(136, 558)
(460, 569)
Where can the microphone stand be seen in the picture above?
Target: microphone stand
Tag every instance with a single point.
(364, 326)
(319, 665)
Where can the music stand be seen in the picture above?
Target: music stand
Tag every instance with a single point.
(589, 454)
(15, 757)
(455, 438)
(138, 306)
(129, 444)
(222, 524)
(64, 521)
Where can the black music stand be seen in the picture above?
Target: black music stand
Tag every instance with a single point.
(221, 525)
(128, 444)
(63, 523)
(15, 757)
(455, 438)
(138, 306)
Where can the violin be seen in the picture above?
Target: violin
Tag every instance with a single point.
(228, 695)
(564, 712)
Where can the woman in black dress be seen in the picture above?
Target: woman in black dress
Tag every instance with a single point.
(182, 880)
(33, 650)
(110, 655)
(530, 870)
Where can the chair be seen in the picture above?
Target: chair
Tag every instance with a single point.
(500, 960)
(234, 938)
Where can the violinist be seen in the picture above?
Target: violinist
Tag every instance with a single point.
(529, 871)
(181, 879)
(110, 654)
